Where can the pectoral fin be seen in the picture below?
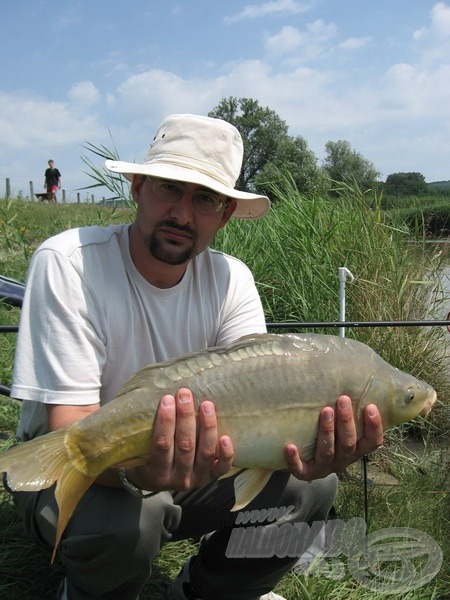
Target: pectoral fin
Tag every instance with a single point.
(248, 485)
(232, 472)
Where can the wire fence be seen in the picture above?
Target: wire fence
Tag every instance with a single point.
(26, 190)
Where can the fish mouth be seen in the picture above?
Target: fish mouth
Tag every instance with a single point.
(428, 404)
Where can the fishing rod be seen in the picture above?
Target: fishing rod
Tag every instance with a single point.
(331, 324)
(9, 328)
(320, 324)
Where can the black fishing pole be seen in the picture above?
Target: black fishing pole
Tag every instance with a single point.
(320, 324)
(331, 324)
(9, 328)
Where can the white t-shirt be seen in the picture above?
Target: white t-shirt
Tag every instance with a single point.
(90, 320)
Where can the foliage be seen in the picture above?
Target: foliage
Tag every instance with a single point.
(270, 153)
(293, 158)
(439, 186)
(344, 165)
(115, 183)
(404, 184)
(423, 215)
(261, 130)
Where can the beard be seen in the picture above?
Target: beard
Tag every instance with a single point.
(169, 252)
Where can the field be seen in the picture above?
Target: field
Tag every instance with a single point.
(295, 255)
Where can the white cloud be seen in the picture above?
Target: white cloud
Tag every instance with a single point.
(264, 9)
(26, 120)
(306, 45)
(84, 95)
(285, 41)
(433, 42)
(157, 90)
(440, 24)
(418, 92)
(354, 43)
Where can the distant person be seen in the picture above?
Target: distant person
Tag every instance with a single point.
(52, 181)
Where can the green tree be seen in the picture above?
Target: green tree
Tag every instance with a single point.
(342, 164)
(293, 158)
(405, 184)
(261, 130)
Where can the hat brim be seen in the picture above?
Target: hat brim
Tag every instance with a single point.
(249, 206)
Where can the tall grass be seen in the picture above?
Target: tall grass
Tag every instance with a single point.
(295, 253)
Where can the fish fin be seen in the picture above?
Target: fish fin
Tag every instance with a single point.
(248, 485)
(36, 464)
(70, 488)
(307, 451)
(232, 472)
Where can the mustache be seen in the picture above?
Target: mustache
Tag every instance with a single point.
(174, 225)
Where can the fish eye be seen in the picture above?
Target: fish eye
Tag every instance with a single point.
(409, 396)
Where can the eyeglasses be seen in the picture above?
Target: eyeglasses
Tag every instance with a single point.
(203, 201)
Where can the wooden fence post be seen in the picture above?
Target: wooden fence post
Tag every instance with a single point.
(8, 188)
(31, 192)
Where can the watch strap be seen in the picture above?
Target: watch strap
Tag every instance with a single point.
(130, 487)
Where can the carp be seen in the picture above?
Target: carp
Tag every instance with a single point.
(268, 390)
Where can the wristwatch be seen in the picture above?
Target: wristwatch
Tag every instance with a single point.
(130, 487)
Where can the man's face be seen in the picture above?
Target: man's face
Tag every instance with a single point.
(174, 232)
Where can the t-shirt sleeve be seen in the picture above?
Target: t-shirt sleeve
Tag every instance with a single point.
(242, 312)
(59, 352)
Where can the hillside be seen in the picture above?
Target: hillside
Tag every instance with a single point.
(442, 185)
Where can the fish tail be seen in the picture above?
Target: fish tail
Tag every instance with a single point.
(38, 464)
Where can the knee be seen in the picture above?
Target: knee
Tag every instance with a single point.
(310, 501)
(129, 531)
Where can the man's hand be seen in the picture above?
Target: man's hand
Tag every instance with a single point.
(337, 445)
(181, 458)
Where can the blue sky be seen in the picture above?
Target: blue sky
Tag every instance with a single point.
(374, 73)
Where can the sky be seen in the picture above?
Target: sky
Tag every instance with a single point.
(106, 72)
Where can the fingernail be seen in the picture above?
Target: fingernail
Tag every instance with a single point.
(344, 403)
(372, 411)
(291, 450)
(168, 401)
(327, 415)
(208, 408)
(184, 398)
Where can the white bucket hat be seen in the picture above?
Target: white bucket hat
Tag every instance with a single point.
(200, 150)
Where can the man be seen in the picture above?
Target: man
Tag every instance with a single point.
(101, 303)
(52, 181)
